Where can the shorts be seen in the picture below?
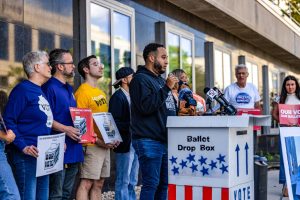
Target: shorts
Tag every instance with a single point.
(96, 163)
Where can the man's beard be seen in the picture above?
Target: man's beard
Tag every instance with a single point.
(68, 75)
(158, 67)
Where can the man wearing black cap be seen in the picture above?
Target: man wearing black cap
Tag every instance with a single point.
(126, 159)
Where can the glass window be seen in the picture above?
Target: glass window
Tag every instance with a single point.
(222, 69)
(100, 38)
(180, 50)
(253, 73)
(186, 57)
(46, 41)
(3, 40)
(174, 54)
(111, 34)
(18, 43)
(122, 42)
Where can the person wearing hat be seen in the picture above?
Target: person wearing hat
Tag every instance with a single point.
(127, 165)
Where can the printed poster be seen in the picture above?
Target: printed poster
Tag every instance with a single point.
(83, 120)
(289, 114)
(107, 126)
(51, 154)
(290, 143)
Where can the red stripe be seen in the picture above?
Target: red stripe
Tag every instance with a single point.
(207, 193)
(172, 192)
(188, 192)
(225, 194)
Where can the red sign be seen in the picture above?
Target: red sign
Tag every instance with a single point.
(249, 111)
(289, 114)
(83, 120)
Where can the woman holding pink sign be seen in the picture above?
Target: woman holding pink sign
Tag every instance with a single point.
(290, 95)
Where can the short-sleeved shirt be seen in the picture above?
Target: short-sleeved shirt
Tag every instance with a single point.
(242, 97)
(61, 97)
(92, 98)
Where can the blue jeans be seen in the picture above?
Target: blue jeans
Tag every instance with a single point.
(8, 187)
(127, 169)
(24, 169)
(282, 179)
(62, 182)
(153, 161)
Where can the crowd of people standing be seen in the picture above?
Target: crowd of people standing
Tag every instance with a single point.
(140, 106)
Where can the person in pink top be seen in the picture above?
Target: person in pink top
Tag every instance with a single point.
(183, 83)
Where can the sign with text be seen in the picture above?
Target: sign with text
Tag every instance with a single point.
(290, 143)
(107, 126)
(51, 154)
(289, 114)
(83, 120)
(204, 155)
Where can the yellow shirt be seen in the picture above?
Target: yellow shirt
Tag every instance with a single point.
(93, 98)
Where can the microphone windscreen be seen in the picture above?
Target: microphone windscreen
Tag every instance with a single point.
(206, 90)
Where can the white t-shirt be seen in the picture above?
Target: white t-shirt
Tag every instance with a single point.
(242, 97)
(291, 99)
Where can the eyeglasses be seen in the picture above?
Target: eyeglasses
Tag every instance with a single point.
(69, 63)
(97, 64)
(47, 63)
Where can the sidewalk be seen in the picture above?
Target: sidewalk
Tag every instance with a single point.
(274, 188)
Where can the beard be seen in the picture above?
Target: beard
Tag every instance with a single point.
(158, 67)
(69, 74)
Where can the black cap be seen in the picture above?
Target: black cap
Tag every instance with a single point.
(122, 73)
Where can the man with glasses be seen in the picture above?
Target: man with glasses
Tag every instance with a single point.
(242, 94)
(96, 165)
(60, 96)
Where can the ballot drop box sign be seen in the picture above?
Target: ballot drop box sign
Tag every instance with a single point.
(211, 157)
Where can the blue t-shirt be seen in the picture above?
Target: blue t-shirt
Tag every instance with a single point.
(61, 98)
(28, 114)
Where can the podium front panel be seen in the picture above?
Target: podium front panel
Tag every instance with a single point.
(212, 157)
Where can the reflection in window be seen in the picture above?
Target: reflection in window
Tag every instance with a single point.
(3, 81)
(101, 45)
(100, 36)
(18, 49)
(3, 40)
(186, 56)
(66, 43)
(46, 41)
(174, 54)
(27, 39)
(121, 40)
(180, 53)
(222, 69)
(253, 73)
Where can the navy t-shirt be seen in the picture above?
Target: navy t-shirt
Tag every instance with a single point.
(61, 98)
(28, 114)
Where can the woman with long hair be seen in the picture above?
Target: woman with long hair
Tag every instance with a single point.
(290, 94)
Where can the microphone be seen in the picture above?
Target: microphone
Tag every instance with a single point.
(230, 109)
(187, 95)
(212, 94)
(221, 95)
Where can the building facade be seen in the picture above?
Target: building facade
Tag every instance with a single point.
(206, 38)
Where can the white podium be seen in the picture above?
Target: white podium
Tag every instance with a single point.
(211, 157)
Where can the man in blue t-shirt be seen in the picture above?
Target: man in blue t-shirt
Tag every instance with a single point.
(60, 96)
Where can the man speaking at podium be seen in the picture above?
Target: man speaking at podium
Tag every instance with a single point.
(151, 103)
(242, 94)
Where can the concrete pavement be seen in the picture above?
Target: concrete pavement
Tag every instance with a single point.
(274, 188)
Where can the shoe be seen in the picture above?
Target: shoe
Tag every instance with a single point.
(285, 192)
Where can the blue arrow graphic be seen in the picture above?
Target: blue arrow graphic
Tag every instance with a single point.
(246, 149)
(237, 149)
